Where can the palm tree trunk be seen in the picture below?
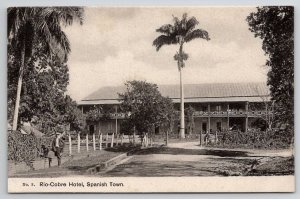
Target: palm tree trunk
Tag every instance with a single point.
(182, 128)
(19, 88)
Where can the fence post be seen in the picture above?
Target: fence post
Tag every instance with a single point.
(100, 142)
(106, 143)
(78, 143)
(70, 144)
(117, 139)
(122, 139)
(87, 142)
(167, 138)
(94, 142)
(112, 140)
(200, 138)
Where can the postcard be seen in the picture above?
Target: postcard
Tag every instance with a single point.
(150, 99)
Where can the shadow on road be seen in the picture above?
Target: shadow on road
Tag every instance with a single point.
(181, 151)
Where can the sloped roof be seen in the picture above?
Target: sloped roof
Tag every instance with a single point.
(216, 92)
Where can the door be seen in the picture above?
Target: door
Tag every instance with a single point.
(204, 126)
(219, 126)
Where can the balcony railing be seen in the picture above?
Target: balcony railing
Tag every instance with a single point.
(230, 113)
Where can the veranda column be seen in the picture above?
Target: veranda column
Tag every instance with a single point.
(116, 107)
(228, 117)
(246, 120)
(208, 108)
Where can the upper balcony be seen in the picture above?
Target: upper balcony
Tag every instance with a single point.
(230, 113)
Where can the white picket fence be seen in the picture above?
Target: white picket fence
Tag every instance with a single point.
(101, 141)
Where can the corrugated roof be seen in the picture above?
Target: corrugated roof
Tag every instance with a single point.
(217, 92)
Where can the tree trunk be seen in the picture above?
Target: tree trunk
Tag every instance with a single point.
(70, 144)
(19, 88)
(94, 142)
(78, 143)
(87, 142)
(182, 128)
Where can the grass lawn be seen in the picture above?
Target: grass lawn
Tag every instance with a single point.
(90, 160)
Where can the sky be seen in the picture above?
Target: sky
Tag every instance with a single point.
(114, 45)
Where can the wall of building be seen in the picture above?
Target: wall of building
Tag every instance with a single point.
(108, 126)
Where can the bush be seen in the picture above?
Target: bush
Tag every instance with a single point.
(25, 147)
(271, 139)
(22, 148)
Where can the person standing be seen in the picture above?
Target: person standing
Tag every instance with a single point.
(58, 146)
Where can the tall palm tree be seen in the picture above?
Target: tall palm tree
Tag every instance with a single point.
(180, 32)
(32, 27)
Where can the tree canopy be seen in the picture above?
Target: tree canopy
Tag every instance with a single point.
(37, 44)
(181, 31)
(146, 106)
(37, 63)
(275, 26)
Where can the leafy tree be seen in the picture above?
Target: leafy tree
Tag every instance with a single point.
(72, 115)
(37, 28)
(275, 26)
(43, 94)
(147, 108)
(189, 112)
(180, 32)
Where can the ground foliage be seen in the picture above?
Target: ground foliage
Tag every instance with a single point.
(269, 139)
(26, 147)
(22, 148)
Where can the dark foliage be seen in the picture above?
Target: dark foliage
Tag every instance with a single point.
(275, 26)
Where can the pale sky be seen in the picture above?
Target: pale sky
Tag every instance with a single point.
(115, 45)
